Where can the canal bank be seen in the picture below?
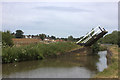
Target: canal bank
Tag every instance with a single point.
(73, 62)
(112, 70)
(35, 51)
(71, 65)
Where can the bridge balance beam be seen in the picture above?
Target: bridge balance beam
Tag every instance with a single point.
(94, 39)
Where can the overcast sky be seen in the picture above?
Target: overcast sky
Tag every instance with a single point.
(60, 19)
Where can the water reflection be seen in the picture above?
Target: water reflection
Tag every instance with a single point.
(65, 66)
(102, 64)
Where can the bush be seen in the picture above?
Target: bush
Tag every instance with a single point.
(95, 47)
(19, 34)
(35, 51)
(7, 39)
(112, 38)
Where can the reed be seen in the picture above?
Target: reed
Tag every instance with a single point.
(35, 51)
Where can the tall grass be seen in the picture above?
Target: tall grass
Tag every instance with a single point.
(35, 51)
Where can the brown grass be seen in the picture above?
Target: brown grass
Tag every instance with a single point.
(25, 41)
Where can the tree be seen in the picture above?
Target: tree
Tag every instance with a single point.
(112, 38)
(42, 36)
(19, 34)
(7, 38)
(65, 39)
(53, 37)
(70, 38)
(119, 38)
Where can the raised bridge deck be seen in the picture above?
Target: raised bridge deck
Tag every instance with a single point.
(91, 37)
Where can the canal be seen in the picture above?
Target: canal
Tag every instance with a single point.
(64, 66)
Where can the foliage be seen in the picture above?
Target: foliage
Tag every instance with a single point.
(42, 36)
(111, 38)
(53, 37)
(19, 34)
(119, 38)
(70, 38)
(65, 39)
(7, 39)
(102, 48)
(35, 51)
(95, 47)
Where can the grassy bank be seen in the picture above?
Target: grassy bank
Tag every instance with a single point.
(96, 47)
(35, 51)
(112, 70)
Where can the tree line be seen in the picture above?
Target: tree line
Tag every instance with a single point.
(7, 37)
(112, 38)
(20, 34)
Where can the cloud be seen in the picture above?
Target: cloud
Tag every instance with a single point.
(66, 9)
(59, 19)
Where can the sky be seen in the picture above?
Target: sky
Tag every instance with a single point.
(60, 19)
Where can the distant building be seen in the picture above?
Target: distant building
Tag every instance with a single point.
(28, 36)
(35, 37)
(46, 39)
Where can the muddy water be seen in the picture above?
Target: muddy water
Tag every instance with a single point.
(65, 66)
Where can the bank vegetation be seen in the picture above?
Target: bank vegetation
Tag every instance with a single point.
(35, 51)
(112, 70)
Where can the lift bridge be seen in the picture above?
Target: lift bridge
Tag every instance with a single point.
(91, 37)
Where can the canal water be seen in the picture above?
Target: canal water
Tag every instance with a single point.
(65, 66)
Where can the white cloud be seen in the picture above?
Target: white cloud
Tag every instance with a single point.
(59, 0)
(61, 19)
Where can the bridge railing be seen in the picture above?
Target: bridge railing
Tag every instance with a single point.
(89, 35)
